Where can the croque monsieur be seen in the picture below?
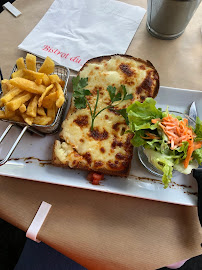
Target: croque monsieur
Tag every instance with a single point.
(106, 148)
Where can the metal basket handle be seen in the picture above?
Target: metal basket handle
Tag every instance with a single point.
(15, 143)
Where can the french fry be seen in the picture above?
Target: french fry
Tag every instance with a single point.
(32, 107)
(8, 113)
(16, 118)
(31, 61)
(32, 75)
(61, 98)
(62, 83)
(17, 101)
(10, 95)
(2, 114)
(51, 112)
(22, 108)
(28, 119)
(53, 90)
(46, 81)
(6, 86)
(54, 78)
(49, 100)
(27, 85)
(38, 81)
(42, 120)
(41, 111)
(18, 73)
(48, 66)
(20, 63)
(44, 94)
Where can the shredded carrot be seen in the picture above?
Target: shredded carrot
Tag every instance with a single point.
(197, 145)
(151, 136)
(177, 132)
(188, 157)
(154, 121)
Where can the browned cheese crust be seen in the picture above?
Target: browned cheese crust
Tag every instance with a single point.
(107, 148)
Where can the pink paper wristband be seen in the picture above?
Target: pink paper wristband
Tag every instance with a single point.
(38, 221)
(176, 265)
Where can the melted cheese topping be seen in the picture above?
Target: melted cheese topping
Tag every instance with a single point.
(107, 148)
(139, 78)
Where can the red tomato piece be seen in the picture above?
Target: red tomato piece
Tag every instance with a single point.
(95, 178)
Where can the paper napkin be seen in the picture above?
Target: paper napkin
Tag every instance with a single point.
(71, 32)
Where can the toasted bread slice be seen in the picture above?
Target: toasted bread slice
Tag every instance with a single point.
(107, 148)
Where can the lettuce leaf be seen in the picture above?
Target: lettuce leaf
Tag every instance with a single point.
(180, 167)
(140, 114)
(162, 162)
(198, 129)
(137, 139)
(167, 175)
(197, 154)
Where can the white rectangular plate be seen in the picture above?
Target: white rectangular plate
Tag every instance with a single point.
(32, 157)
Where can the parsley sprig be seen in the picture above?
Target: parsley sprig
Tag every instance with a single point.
(116, 97)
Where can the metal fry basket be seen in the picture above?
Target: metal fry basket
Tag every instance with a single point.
(40, 130)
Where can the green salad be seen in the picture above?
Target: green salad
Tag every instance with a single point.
(168, 141)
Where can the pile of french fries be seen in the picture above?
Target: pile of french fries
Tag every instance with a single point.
(30, 96)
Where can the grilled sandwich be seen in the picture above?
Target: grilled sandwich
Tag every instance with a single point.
(106, 148)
